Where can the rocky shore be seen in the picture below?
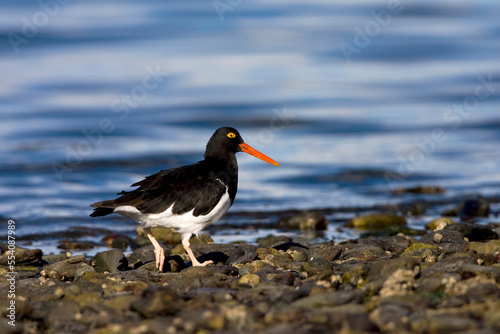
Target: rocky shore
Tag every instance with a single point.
(446, 281)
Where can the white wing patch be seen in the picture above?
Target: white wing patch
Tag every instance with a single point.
(184, 223)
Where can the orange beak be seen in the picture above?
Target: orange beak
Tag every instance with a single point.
(247, 149)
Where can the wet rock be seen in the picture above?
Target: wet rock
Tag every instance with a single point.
(439, 223)
(449, 241)
(241, 255)
(376, 221)
(215, 257)
(423, 252)
(329, 253)
(316, 266)
(110, 261)
(450, 324)
(53, 258)
(489, 247)
(290, 245)
(272, 241)
(249, 279)
(23, 256)
(392, 277)
(473, 232)
(143, 255)
(285, 278)
(428, 190)
(204, 248)
(472, 270)
(470, 208)
(304, 221)
(391, 317)
(274, 257)
(330, 299)
(161, 234)
(448, 264)
(364, 253)
(119, 241)
(158, 302)
(474, 207)
(67, 270)
(76, 245)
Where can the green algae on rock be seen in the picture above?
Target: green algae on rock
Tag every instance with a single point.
(376, 221)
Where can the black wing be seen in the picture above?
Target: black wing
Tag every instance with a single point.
(189, 187)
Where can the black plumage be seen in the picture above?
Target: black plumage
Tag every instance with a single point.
(197, 190)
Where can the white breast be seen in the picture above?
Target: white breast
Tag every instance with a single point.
(184, 223)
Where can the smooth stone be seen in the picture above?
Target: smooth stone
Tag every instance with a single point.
(304, 221)
(449, 241)
(376, 221)
(428, 190)
(485, 247)
(143, 255)
(249, 279)
(110, 261)
(241, 255)
(474, 232)
(23, 256)
(364, 253)
(439, 223)
(158, 301)
(422, 251)
(67, 270)
(330, 299)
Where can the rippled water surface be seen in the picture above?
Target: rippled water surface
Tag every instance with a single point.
(353, 99)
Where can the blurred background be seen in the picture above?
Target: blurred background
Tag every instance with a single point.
(354, 99)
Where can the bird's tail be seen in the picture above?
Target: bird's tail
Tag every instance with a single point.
(99, 212)
(103, 208)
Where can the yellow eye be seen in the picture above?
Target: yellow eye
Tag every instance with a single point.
(231, 135)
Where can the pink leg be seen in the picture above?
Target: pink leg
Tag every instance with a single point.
(159, 253)
(187, 247)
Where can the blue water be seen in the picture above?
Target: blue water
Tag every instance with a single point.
(353, 99)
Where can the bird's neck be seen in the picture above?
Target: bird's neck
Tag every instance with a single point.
(226, 170)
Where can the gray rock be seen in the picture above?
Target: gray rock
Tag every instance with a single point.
(473, 232)
(304, 221)
(330, 299)
(67, 270)
(329, 253)
(273, 241)
(110, 261)
(241, 255)
(143, 255)
(316, 266)
(158, 302)
(23, 256)
(449, 241)
(451, 324)
(474, 207)
(364, 253)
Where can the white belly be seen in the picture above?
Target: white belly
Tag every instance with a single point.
(184, 223)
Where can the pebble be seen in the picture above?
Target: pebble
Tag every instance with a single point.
(376, 221)
(439, 283)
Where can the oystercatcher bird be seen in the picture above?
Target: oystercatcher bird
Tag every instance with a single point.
(187, 198)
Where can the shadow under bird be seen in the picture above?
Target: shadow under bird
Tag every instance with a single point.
(187, 198)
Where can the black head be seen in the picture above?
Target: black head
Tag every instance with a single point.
(226, 142)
